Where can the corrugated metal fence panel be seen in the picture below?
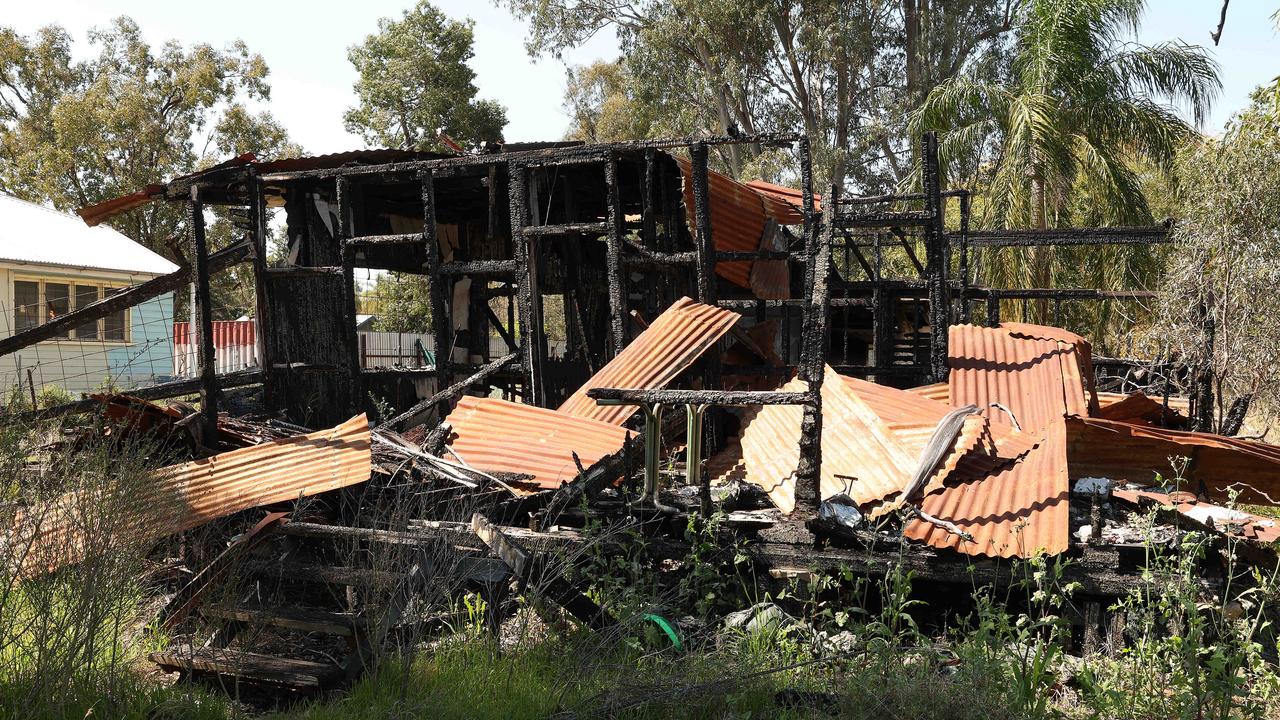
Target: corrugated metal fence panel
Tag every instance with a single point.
(185, 496)
(677, 338)
(500, 436)
(234, 347)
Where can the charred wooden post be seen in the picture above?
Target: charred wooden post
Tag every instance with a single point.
(706, 249)
(440, 329)
(993, 308)
(262, 302)
(613, 262)
(518, 198)
(346, 255)
(937, 255)
(204, 312)
(965, 200)
(813, 353)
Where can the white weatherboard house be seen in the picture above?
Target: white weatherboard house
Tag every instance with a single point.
(50, 264)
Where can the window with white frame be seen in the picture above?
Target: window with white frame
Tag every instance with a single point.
(39, 300)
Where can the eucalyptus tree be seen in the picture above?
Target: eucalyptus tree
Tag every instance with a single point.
(414, 84)
(836, 70)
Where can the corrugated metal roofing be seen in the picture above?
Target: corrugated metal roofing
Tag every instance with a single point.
(38, 235)
(185, 496)
(226, 333)
(499, 436)
(791, 211)
(1137, 454)
(1142, 410)
(871, 443)
(675, 339)
(1019, 510)
(912, 420)
(941, 392)
(1230, 520)
(738, 218)
(1179, 404)
(1038, 380)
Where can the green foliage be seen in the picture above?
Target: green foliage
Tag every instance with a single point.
(829, 68)
(1227, 258)
(1081, 104)
(415, 83)
(400, 302)
(79, 131)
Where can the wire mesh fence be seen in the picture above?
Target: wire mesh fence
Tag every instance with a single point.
(126, 349)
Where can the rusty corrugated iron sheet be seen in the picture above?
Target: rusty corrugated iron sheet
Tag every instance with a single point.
(872, 439)
(1139, 409)
(1039, 380)
(675, 339)
(1021, 509)
(181, 497)
(1178, 404)
(1145, 455)
(912, 420)
(499, 436)
(940, 392)
(790, 207)
(739, 217)
(1231, 521)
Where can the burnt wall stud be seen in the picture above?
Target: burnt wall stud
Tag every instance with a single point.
(204, 312)
(613, 240)
(706, 249)
(343, 191)
(937, 254)
(440, 315)
(262, 301)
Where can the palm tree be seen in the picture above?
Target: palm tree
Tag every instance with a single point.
(1083, 109)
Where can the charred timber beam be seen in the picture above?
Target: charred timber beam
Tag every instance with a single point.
(135, 295)
(1146, 235)
(304, 271)
(882, 220)
(585, 228)
(479, 267)
(1059, 294)
(518, 198)
(262, 301)
(449, 393)
(757, 304)
(365, 241)
(546, 157)
(204, 312)
(745, 398)
(653, 257)
(905, 197)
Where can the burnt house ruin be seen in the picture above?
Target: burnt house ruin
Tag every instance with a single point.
(830, 352)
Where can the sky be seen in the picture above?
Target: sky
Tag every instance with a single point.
(304, 44)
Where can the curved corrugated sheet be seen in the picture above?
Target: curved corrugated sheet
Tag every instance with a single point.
(1039, 380)
(1021, 510)
(738, 218)
(1138, 454)
(912, 420)
(500, 436)
(677, 338)
(872, 439)
(1179, 405)
(185, 496)
(786, 204)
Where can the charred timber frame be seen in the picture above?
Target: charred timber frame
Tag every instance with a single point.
(204, 311)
